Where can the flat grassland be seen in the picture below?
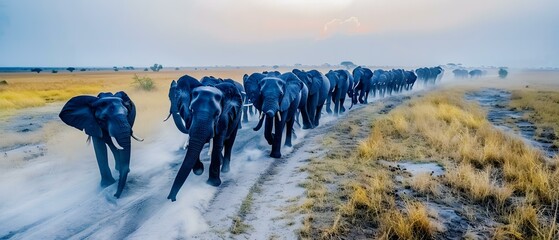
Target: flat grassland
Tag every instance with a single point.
(495, 183)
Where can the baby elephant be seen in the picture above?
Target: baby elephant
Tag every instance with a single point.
(108, 120)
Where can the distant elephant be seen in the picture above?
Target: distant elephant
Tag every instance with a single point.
(339, 85)
(362, 81)
(279, 97)
(108, 120)
(318, 86)
(475, 73)
(215, 113)
(410, 79)
(503, 73)
(460, 73)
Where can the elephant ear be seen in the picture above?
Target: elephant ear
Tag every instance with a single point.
(252, 88)
(292, 90)
(232, 100)
(315, 81)
(130, 106)
(78, 113)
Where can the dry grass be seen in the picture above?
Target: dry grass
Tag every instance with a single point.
(485, 166)
(411, 223)
(542, 106)
(425, 184)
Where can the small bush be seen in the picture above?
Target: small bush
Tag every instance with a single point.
(3, 82)
(145, 83)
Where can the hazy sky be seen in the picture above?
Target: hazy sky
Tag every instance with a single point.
(515, 33)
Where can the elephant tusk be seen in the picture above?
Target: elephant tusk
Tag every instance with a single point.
(279, 116)
(167, 118)
(113, 139)
(137, 138)
(211, 147)
(186, 142)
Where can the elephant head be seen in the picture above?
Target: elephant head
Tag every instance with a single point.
(106, 118)
(214, 111)
(252, 89)
(180, 95)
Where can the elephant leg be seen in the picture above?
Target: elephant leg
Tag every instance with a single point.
(342, 108)
(328, 102)
(198, 167)
(213, 178)
(311, 108)
(276, 146)
(103, 162)
(307, 124)
(289, 132)
(366, 97)
(337, 107)
(245, 114)
(228, 146)
(317, 115)
(361, 95)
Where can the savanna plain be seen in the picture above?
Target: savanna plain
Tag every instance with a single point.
(466, 158)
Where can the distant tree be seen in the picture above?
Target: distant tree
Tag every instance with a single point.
(298, 65)
(37, 70)
(195, 69)
(54, 71)
(115, 69)
(275, 67)
(71, 69)
(177, 68)
(347, 64)
(327, 65)
(503, 73)
(146, 69)
(156, 67)
(83, 70)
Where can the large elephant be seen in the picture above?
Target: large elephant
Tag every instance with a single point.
(339, 85)
(180, 95)
(362, 81)
(108, 120)
(319, 87)
(280, 97)
(215, 113)
(252, 89)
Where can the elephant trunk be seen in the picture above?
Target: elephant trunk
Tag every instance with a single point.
(259, 123)
(181, 124)
(200, 134)
(270, 107)
(120, 132)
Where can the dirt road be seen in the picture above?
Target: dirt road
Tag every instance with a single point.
(52, 192)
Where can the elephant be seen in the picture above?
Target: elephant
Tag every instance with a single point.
(252, 89)
(279, 98)
(180, 97)
(475, 73)
(410, 79)
(319, 87)
(339, 85)
(108, 120)
(362, 81)
(215, 113)
(460, 73)
(429, 75)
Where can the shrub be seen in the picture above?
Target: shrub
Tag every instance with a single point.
(71, 69)
(54, 71)
(3, 82)
(145, 83)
